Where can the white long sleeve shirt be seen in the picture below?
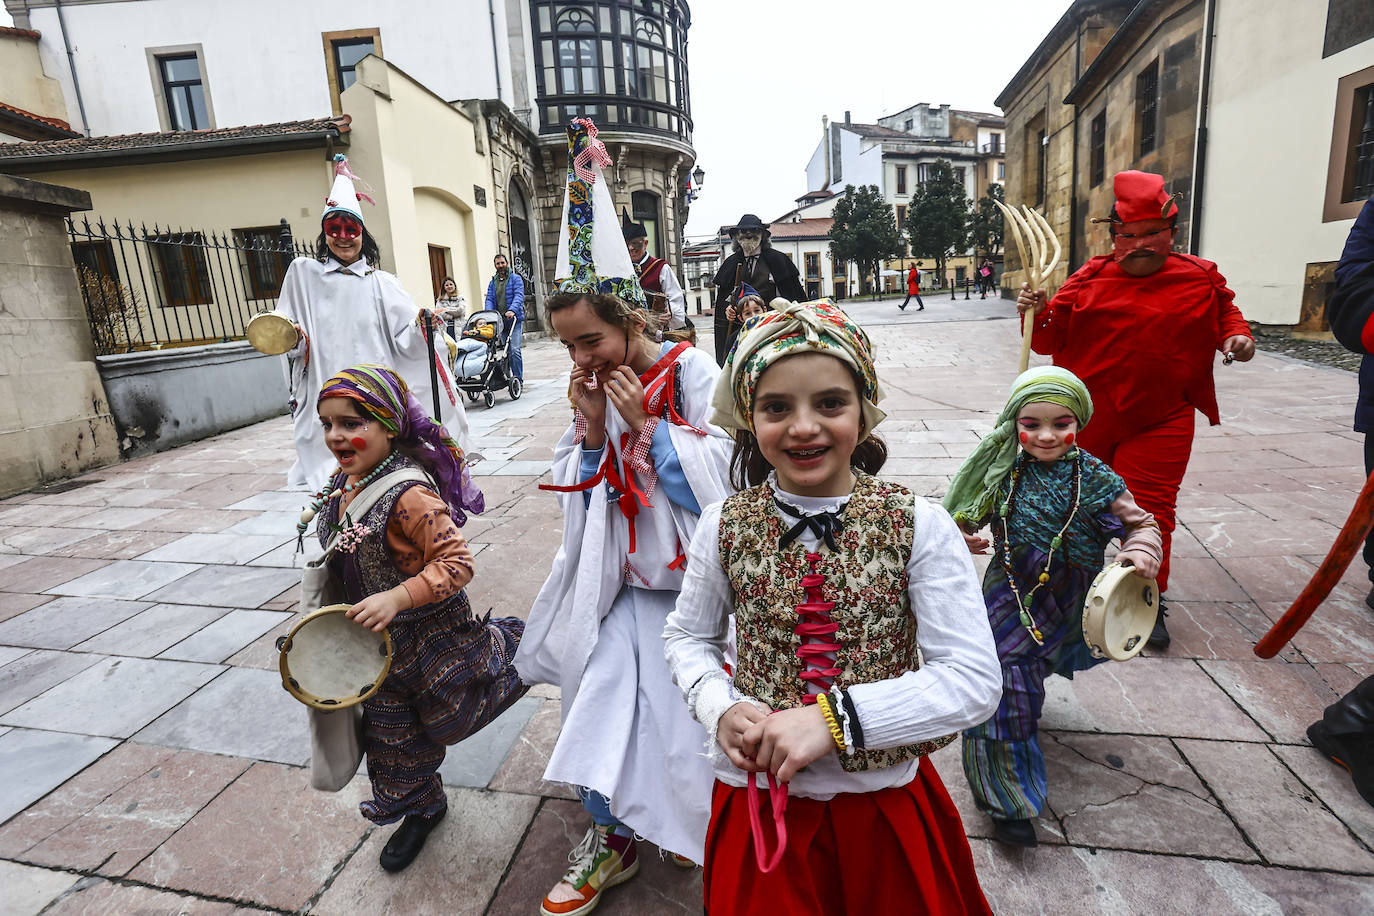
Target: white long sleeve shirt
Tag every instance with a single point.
(677, 299)
(958, 685)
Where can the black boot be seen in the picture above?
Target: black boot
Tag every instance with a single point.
(405, 844)
(1345, 733)
(1019, 832)
(1159, 637)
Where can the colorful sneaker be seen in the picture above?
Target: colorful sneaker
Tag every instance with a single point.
(602, 860)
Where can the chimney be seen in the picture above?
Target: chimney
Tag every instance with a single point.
(846, 117)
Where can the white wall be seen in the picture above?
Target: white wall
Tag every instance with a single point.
(815, 168)
(264, 59)
(1272, 108)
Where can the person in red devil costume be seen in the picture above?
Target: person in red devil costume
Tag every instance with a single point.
(1142, 327)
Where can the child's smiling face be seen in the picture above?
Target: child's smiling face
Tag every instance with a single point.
(807, 420)
(751, 308)
(358, 443)
(1046, 431)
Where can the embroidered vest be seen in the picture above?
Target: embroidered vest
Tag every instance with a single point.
(370, 569)
(865, 578)
(651, 275)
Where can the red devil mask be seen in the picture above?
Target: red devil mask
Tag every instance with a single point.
(342, 226)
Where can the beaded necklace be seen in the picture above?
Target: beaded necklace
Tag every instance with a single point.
(321, 498)
(1056, 542)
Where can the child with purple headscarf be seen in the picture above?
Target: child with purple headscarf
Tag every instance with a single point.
(404, 565)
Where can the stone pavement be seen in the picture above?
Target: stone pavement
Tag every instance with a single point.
(153, 764)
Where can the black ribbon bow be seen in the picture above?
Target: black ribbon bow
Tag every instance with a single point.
(823, 525)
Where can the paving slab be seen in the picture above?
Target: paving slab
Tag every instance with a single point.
(36, 762)
(1284, 699)
(33, 672)
(228, 586)
(262, 652)
(216, 548)
(12, 604)
(475, 760)
(1339, 631)
(1283, 818)
(116, 545)
(28, 890)
(124, 579)
(288, 841)
(210, 720)
(149, 632)
(456, 874)
(113, 814)
(223, 637)
(118, 518)
(1135, 792)
(99, 897)
(274, 501)
(64, 622)
(660, 888)
(1146, 696)
(522, 770)
(273, 523)
(114, 697)
(193, 519)
(1217, 630)
(37, 574)
(1333, 786)
(35, 541)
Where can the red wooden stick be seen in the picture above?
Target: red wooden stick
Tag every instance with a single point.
(1349, 541)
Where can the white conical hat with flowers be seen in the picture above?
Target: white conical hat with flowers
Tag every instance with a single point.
(343, 196)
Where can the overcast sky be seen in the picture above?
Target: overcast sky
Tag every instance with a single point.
(763, 73)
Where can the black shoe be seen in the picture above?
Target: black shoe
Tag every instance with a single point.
(405, 844)
(920, 308)
(902, 306)
(1019, 832)
(1369, 600)
(1159, 637)
(1345, 734)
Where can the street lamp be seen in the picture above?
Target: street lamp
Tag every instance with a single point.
(698, 176)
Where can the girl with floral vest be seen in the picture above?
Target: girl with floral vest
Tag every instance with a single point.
(1053, 509)
(403, 565)
(862, 645)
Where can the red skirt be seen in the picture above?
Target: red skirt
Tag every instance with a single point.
(897, 851)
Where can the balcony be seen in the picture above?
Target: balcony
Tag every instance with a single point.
(615, 113)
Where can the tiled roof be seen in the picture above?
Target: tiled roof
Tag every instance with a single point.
(877, 130)
(55, 126)
(977, 115)
(19, 33)
(812, 227)
(823, 194)
(170, 141)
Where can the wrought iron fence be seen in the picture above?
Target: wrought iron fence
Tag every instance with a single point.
(146, 289)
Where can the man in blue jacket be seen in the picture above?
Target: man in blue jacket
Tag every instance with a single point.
(1345, 732)
(506, 292)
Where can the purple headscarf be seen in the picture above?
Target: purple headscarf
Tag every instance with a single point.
(384, 395)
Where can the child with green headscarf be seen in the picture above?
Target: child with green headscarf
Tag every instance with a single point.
(1053, 509)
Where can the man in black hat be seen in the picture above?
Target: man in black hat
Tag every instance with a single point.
(753, 261)
(656, 278)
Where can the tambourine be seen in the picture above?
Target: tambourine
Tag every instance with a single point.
(329, 662)
(1119, 613)
(272, 333)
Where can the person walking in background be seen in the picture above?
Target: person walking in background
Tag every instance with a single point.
(913, 288)
(506, 293)
(985, 278)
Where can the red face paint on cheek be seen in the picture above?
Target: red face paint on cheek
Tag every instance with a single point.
(1025, 437)
(1068, 438)
(358, 442)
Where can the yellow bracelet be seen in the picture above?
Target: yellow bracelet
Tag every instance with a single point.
(835, 732)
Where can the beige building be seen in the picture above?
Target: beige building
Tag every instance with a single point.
(1290, 149)
(31, 102)
(427, 161)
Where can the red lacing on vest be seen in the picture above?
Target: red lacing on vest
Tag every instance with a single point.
(815, 624)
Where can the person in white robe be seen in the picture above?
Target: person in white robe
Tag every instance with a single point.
(630, 508)
(349, 311)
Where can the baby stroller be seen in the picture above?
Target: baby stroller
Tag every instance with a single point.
(482, 364)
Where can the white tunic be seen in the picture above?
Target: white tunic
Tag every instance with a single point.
(958, 685)
(596, 631)
(351, 314)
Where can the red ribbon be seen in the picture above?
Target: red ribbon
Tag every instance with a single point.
(777, 795)
(660, 389)
(631, 495)
(816, 622)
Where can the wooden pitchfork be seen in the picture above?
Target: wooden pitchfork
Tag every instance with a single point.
(1031, 230)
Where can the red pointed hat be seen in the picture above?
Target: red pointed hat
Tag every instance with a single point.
(1141, 195)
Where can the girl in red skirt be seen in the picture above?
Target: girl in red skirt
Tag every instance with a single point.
(824, 801)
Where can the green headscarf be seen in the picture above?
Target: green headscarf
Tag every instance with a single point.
(971, 493)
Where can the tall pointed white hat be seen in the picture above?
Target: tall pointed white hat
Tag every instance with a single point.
(591, 253)
(343, 195)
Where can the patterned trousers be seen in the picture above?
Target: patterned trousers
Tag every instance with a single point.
(449, 678)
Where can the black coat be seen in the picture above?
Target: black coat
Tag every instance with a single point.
(786, 282)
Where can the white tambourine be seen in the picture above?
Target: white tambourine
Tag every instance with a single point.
(329, 662)
(1119, 613)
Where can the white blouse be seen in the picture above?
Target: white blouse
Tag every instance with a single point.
(958, 685)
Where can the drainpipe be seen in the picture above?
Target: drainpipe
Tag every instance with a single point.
(1072, 264)
(71, 65)
(495, 54)
(1200, 147)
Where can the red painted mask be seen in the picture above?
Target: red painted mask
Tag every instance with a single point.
(342, 226)
(1158, 242)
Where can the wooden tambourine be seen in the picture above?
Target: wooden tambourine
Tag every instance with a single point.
(329, 662)
(1119, 613)
(272, 333)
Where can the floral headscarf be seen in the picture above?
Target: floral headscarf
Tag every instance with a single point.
(792, 328)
